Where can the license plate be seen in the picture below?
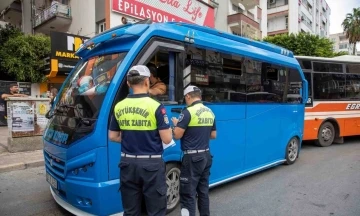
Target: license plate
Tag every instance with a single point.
(52, 181)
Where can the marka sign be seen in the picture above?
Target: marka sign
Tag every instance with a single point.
(63, 46)
(190, 11)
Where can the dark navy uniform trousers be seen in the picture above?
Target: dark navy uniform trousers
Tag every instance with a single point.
(143, 176)
(194, 178)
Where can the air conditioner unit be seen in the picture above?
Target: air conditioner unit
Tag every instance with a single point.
(272, 1)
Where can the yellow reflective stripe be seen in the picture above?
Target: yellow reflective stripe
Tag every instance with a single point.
(201, 116)
(136, 114)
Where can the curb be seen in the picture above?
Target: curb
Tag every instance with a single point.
(21, 166)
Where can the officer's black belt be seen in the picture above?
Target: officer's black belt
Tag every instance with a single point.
(195, 151)
(139, 156)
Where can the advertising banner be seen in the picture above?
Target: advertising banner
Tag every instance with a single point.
(22, 116)
(27, 117)
(190, 11)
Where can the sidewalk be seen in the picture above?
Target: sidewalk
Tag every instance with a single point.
(17, 161)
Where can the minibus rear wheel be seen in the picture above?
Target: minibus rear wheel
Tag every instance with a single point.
(292, 150)
(326, 135)
(173, 185)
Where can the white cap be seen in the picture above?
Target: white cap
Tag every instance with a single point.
(191, 88)
(139, 70)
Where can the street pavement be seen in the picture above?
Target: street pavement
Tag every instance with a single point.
(322, 182)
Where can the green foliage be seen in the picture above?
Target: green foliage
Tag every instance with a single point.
(340, 53)
(351, 26)
(304, 44)
(23, 56)
(6, 32)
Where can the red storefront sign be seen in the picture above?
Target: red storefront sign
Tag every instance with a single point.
(190, 11)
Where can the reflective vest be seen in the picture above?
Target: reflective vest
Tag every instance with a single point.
(197, 133)
(137, 121)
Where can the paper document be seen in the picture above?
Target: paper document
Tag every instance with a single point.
(171, 144)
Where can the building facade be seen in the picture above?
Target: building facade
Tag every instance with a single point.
(246, 18)
(341, 44)
(293, 16)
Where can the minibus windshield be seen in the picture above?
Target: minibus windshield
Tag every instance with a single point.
(79, 102)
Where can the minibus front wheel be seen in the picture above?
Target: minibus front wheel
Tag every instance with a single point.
(173, 185)
(292, 150)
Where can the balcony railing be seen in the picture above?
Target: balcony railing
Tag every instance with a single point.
(54, 10)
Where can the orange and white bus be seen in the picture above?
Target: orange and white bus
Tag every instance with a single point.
(333, 107)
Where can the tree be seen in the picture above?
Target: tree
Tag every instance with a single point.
(305, 44)
(351, 26)
(6, 32)
(23, 56)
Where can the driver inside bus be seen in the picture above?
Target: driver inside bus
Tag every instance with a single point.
(157, 86)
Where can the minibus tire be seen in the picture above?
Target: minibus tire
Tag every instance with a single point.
(321, 141)
(292, 151)
(173, 168)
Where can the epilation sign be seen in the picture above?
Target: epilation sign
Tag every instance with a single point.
(190, 11)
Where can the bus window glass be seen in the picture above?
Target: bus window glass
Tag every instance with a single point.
(329, 86)
(218, 75)
(327, 67)
(309, 80)
(159, 80)
(231, 78)
(352, 87)
(353, 68)
(81, 98)
(294, 94)
(305, 64)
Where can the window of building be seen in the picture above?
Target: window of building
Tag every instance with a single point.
(101, 27)
(228, 78)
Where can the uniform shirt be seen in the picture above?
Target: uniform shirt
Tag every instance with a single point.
(139, 118)
(198, 121)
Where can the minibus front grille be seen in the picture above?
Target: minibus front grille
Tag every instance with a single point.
(55, 165)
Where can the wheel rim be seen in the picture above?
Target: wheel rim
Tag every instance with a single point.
(293, 150)
(173, 187)
(326, 134)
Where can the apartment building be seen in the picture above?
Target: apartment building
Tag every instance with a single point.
(293, 16)
(341, 43)
(246, 18)
(42, 16)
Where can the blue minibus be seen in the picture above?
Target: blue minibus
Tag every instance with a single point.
(256, 90)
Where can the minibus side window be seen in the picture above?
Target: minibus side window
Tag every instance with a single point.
(230, 78)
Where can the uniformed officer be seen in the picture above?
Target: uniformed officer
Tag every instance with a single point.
(195, 127)
(141, 125)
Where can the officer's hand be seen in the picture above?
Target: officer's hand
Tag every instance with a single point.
(174, 121)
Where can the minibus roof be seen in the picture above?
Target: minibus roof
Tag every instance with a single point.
(137, 29)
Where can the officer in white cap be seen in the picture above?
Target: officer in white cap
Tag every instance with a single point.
(141, 125)
(195, 127)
